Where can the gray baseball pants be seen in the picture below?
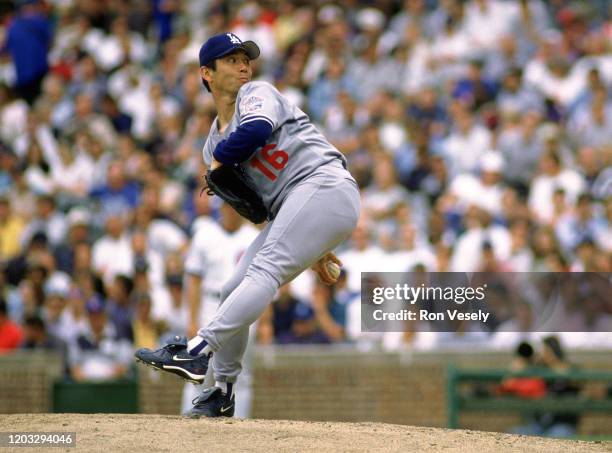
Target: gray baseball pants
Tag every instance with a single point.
(317, 215)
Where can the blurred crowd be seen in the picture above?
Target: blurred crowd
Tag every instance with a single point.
(479, 131)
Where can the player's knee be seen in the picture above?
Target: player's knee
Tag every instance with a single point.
(227, 289)
(263, 276)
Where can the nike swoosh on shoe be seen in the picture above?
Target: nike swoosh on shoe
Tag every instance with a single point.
(180, 359)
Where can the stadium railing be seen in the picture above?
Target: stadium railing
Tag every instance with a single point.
(459, 401)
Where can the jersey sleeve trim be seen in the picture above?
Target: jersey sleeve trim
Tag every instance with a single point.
(248, 119)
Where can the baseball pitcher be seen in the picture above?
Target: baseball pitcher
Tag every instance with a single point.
(269, 162)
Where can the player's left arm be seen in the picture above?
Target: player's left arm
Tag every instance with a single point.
(258, 112)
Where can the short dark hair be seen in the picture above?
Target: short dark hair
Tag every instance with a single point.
(35, 321)
(127, 284)
(584, 197)
(212, 65)
(554, 345)
(525, 350)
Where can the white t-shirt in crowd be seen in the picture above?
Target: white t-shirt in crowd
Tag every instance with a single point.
(371, 259)
(111, 257)
(213, 255)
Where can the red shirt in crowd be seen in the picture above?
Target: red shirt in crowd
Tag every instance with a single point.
(10, 336)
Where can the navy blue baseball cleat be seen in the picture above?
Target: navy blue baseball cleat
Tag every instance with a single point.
(213, 403)
(174, 358)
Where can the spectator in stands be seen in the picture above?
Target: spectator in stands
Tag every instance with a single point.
(474, 90)
(75, 315)
(384, 195)
(32, 265)
(578, 226)
(515, 98)
(72, 175)
(523, 361)
(118, 195)
(554, 424)
(49, 220)
(112, 254)
(98, 354)
(86, 118)
(467, 142)
(121, 121)
(36, 338)
(363, 255)
(591, 124)
(120, 308)
(330, 314)
(518, 141)
(56, 289)
(484, 191)
(521, 255)
(480, 231)
(28, 40)
(552, 176)
(304, 328)
(146, 330)
(410, 251)
(324, 92)
(11, 334)
(11, 230)
(276, 322)
(78, 221)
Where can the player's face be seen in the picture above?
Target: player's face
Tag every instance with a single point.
(233, 71)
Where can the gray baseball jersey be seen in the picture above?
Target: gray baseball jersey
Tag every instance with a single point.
(295, 149)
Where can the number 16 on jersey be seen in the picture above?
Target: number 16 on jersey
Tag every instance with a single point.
(277, 160)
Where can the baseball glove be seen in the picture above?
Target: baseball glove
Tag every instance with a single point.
(236, 187)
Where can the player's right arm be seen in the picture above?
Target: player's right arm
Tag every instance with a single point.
(215, 164)
(322, 271)
(258, 109)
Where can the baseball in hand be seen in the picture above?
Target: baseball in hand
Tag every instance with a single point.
(333, 269)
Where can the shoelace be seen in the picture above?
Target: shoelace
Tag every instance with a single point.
(196, 401)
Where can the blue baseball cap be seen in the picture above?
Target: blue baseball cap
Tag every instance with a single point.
(223, 44)
(303, 312)
(95, 304)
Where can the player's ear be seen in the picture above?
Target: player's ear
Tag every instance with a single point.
(206, 73)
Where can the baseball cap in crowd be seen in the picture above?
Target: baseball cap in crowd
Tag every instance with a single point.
(223, 44)
(78, 216)
(58, 284)
(94, 304)
(303, 312)
(329, 13)
(492, 161)
(370, 19)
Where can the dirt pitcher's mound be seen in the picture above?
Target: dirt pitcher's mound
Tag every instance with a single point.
(129, 433)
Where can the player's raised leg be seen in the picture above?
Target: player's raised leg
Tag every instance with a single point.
(191, 363)
(323, 209)
(317, 215)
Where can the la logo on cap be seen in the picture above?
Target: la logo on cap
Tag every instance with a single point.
(234, 39)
